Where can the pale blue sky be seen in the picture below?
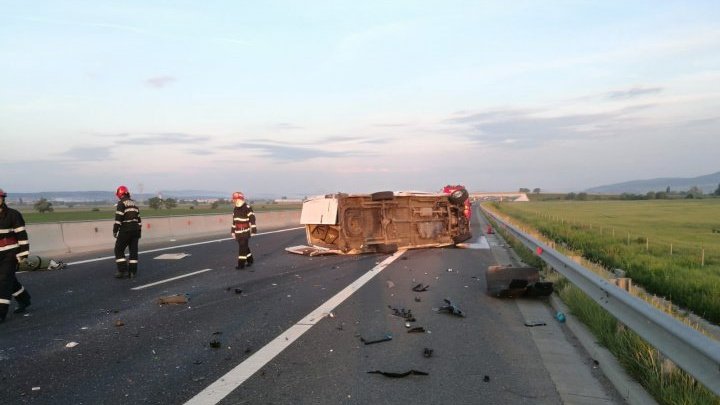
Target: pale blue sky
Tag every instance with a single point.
(312, 97)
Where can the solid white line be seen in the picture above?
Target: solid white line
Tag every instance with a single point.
(180, 246)
(169, 279)
(218, 390)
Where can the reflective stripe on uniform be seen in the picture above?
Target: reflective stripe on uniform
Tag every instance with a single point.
(118, 222)
(23, 254)
(8, 247)
(19, 229)
(132, 210)
(132, 261)
(120, 260)
(4, 301)
(23, 242)
(242, 257)
(119, 212)
(18, 292)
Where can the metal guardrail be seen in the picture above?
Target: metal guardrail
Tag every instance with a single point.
(692, 351)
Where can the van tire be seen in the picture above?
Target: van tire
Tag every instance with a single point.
(382, 195)
(386, 248)
(458, 196)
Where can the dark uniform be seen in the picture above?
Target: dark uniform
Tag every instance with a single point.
(14, 247)
(127, 230)
(243, 226)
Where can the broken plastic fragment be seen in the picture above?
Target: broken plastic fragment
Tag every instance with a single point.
(72, 344)
(398, 375)
(173, 299)
(417, 329)
(420, 288)
(530, 324)
(387, 338)
(215, 344)
(427, 352)
(451, 309)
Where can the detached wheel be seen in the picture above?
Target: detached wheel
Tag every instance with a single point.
(386, 248)
(459, 196)
(382, 195)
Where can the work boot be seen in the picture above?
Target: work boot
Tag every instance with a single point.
(250, 261)
(132, 274)
(120, 274)
(23, 301)
(240, 265)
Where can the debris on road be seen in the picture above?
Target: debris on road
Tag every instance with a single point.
(71, 345)
(198, 379)
(508, 281)
(402, 313)
(451, 309)
(173, 299)
(420, 288)
(560, 317)
(486, 378)
(531, 324)
(398, 375)
(215, 344)
(417, 299)
(427, 352)
(390, 284)
(417, 329)
(388, 337)
(119, 323)
(36, 388)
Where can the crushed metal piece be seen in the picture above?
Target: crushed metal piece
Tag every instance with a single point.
(420, 288)
(398, 375)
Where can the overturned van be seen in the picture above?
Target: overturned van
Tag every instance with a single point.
(383, 222)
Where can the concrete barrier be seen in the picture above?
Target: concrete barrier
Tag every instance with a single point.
(88, 236)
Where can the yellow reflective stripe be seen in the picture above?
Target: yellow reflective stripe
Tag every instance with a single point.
(22, 254)
(132, 261)
(120, 260)
(18, 292)
(4, 301)
(20, 229)
(242, 257)
(119, 212)
(8, 247)
(23, 242)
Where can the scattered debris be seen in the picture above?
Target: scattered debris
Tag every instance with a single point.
(119, 323)
(215, 344)
(217, 333)
(427, 352)
(486, 378)
(238, 291)
(417, 329)
(72, 344)
(508, 281)
(449, 269)
(390, 284)
(248, 350)
(387, 338)
(36, 388)
(417, 299)
(402, 313)
(198, 379)
(407, 324)
(197, 362)
(530, 324)
(398, 375)
(451, 308)
(560, 317)
(173, 299)
(420, 288)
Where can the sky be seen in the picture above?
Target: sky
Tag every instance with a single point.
(312, 97)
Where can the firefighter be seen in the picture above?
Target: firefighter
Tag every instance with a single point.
(14, 249)
(127, 231)
(243, 225)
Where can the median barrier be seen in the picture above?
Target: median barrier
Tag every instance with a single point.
(88, 236)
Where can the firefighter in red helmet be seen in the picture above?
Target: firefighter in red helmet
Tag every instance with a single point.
(243, 225)
(127, 231)
(14, 249)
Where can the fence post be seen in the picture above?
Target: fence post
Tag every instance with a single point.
(702, 258)
(647, 244)
(671, 249)
(628, 242)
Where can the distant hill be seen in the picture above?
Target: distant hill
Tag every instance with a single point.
(109, 196)
(707, 183)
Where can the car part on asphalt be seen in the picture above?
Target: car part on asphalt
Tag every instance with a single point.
(387, 338)
(451, 309)
(508, 281)
(398, 375)
(420, 288)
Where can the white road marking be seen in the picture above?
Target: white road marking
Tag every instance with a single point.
(172, 256)
(218, 390)
(180, 246)
(169, 279)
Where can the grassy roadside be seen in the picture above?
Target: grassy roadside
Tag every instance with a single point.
(666, 383)
(108, 212)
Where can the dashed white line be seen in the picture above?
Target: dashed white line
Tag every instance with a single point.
(180, 246)
(169, 279)
(218, 390)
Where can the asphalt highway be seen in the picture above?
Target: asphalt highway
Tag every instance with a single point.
(131, 350)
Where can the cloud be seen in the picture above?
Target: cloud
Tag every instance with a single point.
(352, 139)
(166, 138)
(528, 128)
(160, 81)
(92, 153)
(286, 126)
(292, 153)
(633, 93)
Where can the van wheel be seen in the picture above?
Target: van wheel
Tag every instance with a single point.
(458, 196)
(386, 248)
(382, 195)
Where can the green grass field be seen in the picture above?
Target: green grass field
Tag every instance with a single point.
(671, 248)
(108, 212)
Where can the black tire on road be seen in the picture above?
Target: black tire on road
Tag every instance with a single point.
(386, 248)
(459, 196)
(382, 195)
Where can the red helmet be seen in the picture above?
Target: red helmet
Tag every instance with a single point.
(121, 191)
(238, 196)
(3, 194)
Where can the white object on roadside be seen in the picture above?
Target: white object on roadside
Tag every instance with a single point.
(71, 345)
